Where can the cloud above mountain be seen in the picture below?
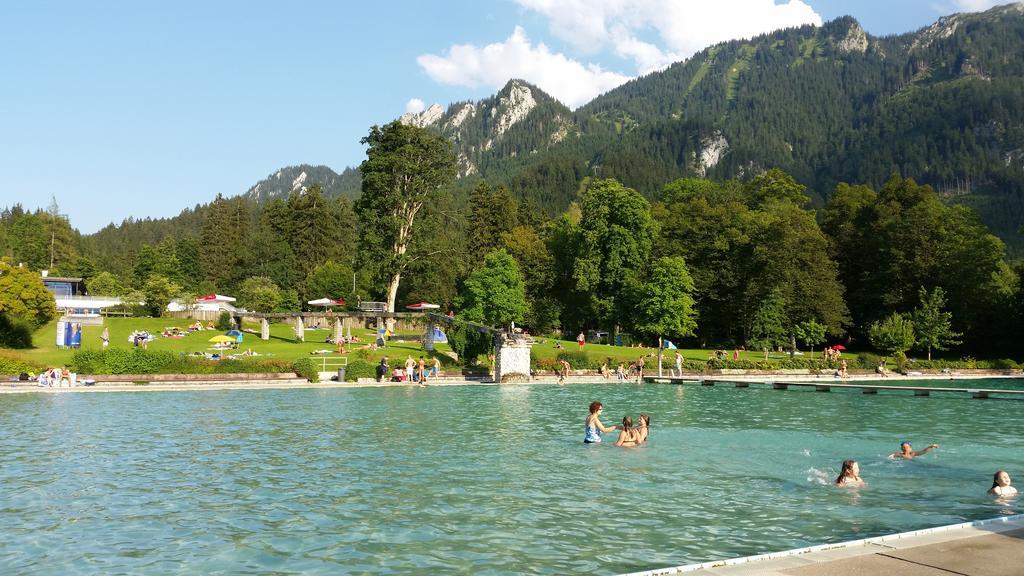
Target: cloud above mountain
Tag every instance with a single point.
(648, 34)
(568, 80)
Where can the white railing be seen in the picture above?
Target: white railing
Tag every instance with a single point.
(326, 366)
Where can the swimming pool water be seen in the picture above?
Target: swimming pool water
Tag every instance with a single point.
(476, 479)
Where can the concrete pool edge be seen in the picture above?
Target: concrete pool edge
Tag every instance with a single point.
(772, 562)
(300, 383)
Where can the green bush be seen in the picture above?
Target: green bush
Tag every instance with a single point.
(306, 368)
(224, 322)
(138, 361)
(15, 332)
(360, 369)
(14, 365)
(867, 360)
(546, 364)
(579, 360)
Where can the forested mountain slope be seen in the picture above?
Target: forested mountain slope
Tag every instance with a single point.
(943, 105)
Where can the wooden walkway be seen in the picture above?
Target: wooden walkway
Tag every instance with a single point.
(829, 385)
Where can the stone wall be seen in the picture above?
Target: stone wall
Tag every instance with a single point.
(512, 358)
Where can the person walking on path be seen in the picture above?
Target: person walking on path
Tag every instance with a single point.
(581, 340)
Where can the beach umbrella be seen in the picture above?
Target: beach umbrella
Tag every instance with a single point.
(222, 338)
(839, 347)
(326, 302)
(422, 306)
(233, 333)
(215, 298)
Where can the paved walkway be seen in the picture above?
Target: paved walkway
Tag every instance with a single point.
(987, 548)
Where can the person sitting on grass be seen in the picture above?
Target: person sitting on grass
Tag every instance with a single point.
(881, 370)
(850, 475)
(907, 452)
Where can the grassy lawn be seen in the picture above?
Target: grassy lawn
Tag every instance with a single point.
(282, 344)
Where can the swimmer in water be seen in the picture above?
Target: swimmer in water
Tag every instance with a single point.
(628, 435)
(593, 428)
(643, 426)
(907, 453)
(1001, 485)
(850, 475)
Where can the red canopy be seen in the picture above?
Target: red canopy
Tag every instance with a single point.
(422, 306)
(839, 347)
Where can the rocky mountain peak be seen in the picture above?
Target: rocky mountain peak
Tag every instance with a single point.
(856, 39)
(423, 119)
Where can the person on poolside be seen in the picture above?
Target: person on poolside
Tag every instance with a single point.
(908, 453)
(628, 435)
(642, 427)
(592, 427)
(850, 475)
(1001, 485)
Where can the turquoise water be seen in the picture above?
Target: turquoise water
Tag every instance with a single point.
(475, 479)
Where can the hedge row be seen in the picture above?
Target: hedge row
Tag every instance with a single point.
(582, 361)
(139, 361)
(14, 365)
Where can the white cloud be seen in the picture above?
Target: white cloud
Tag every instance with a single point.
(568, 80)
(976, 5)
(414, 106)
(650, 33)
(682, 27)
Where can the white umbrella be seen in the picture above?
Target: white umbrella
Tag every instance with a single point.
(326, 302)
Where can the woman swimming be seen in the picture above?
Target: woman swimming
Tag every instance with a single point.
(1001, 485)
(592, 428)
(642, 428)
(850, 474)
(907, 452)
(628, 435)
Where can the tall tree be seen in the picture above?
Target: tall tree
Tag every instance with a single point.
(492, 213)
(405, 168)
(616, 234)
(933, 326)
(225, 230)
(538, 267)
(665, 300)
(495, 294)
(769, 325)
(259, 293)
(23, 295)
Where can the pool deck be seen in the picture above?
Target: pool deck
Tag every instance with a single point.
(295, 383)
(986, 548)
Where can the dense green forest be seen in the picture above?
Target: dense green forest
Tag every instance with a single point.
(815, 176)
(743, 252)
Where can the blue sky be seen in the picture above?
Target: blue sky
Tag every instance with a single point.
(140, 109)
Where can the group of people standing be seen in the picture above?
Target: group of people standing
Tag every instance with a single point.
(630, 435)
(849, 476)
(415, 370)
